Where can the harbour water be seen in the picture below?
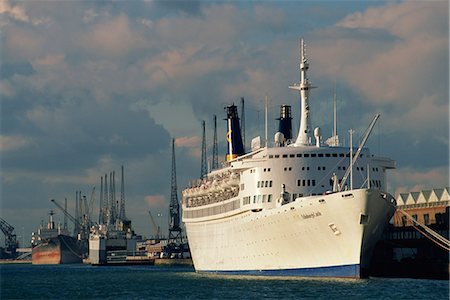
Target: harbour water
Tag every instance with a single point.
(25, 281)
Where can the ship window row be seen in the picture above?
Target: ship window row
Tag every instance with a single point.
(266, 170)
(312, 155)
(375, 169)
(264, 184)
(428, 204)
(376, 183)
(266, 198)
(294, 196)
(306, 182)
(403, 235)
(287, 168)
(210, 211)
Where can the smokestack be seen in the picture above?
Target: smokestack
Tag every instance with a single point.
(234, 137)
(285, 124)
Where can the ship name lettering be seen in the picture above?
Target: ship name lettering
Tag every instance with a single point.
(312, 215)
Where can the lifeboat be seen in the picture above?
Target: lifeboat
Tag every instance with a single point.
(233, 180)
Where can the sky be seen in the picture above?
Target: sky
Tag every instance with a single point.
(88, 86)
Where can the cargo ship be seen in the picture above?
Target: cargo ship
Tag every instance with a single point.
(295, 207)
(54, 245)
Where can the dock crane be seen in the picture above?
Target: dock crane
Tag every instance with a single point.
(66, 213)
(11, 243)
(91, 206)
(84, 228)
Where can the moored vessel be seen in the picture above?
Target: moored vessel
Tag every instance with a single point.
(62, 249)
(54, 245)
(296, 207)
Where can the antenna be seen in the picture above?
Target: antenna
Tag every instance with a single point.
(215, 156)
(204, 166)
(265, 116)
(334, 113)
(351, 159)
(304, 134)
(243, 121)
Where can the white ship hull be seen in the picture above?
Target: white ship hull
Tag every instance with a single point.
(269, 211)
(328, 235)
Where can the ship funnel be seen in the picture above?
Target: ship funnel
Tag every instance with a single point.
(234, 137)
(285, 124)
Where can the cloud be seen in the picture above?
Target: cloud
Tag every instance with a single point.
(89, 15)
(16, 12)
(406, 180)
(112, 36)
(10, 143)
(394, 60)
(155, 201)
(51, 59)
(188, 141)
(19, 13)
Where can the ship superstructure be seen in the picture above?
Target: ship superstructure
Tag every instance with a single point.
(300, 207)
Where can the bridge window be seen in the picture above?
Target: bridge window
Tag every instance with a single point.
(426, 219)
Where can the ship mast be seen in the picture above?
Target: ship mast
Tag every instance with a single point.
(304, 134)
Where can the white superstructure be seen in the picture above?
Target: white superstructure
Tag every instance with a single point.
(289, 209)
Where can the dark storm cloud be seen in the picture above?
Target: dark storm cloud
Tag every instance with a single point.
(189, 7)
(19, 68)
(73, 136)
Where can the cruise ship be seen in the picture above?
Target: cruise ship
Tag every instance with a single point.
(296, 207)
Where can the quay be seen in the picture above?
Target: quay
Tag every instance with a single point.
(406, 250)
